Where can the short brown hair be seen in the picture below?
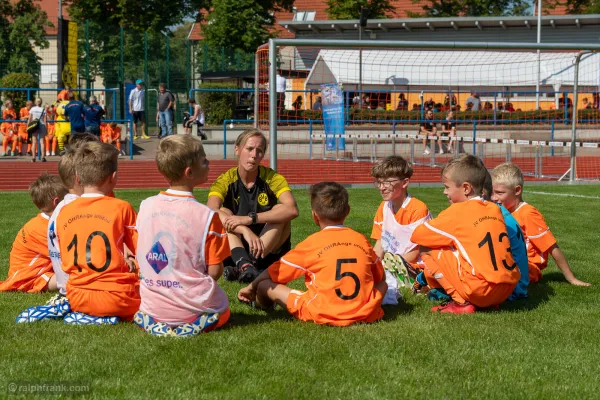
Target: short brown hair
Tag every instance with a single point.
(95, 162)
(77, 140)
(392, 167)
(488, 187)
(466, 168)
(175, 153)
(247, 134)
(66, 165)
(45, 189)
(508, 174)
(329, 200)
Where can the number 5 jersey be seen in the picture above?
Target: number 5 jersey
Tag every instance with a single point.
(340, 270)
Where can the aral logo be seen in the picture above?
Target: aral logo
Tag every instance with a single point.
(52, 234)
(157, 258)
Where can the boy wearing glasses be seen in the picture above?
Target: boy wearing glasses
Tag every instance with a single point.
(397, 217)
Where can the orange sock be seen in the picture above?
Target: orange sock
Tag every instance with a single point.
(47, 141)
(14, 146)
(28, 147)
(119, 145)
(4, 145)
(54, 143)
(20, 146)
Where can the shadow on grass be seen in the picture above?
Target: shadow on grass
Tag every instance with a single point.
(260, 317)
(538, 293)
(392, 312)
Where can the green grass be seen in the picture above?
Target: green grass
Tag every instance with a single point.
(543, 347)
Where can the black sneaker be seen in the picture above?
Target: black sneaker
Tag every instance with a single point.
(248, 273)
(231, 273)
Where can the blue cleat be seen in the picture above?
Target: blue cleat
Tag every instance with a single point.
(152, 326)
(199, 325)
(79, 318)
(46, 312)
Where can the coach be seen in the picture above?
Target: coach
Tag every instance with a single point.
(257, 207)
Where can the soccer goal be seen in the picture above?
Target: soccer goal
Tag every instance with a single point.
(359, 101)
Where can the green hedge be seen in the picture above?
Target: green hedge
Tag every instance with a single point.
(217, 106)
(18, 80)
(479, 116)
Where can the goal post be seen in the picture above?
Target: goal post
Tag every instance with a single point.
(558, 58)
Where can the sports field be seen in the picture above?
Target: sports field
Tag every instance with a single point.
(543, 347)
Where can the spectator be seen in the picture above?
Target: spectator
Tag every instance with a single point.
(402, 103)
(381, 106)
(475, 102)
(561, 101)
(37, 112)
(437, 107)
(196, 119)
(586, 104)
(357, 101)
(297, 104)
(450, 103)
(74, 113)
(64, 94)
(415, 107)
(596, 104)
(509, 107)
(427, 128)
(136, 109)
(93, 116)
(500, 107)
(281, 83)
(487, 106)
(318, 106)
(469, 106)
(164, 106)
(429, 104)
(448, 128)
(366, 102)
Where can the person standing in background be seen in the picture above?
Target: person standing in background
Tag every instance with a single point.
(93, 116)
(164, 106)
(136, 109)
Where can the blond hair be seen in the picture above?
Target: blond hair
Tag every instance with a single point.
(466, 168)
(45, 189)
(176, 153)
(392, 167)
(95, 162)
(509, 175)
(38, 102)
(247, 134)
(329, 200)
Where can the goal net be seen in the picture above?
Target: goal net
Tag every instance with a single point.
(429, 105)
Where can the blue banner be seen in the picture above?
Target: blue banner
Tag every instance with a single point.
(332, 98)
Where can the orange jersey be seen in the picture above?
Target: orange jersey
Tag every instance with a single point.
(340, 270)
(91, 231)
(108, 134)
(538, 239)
(12, 113)
(475, 231)
(30, 265)
(8, 129)
(413, 211)
(24, 113)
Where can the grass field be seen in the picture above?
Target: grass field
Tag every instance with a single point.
(543, 347)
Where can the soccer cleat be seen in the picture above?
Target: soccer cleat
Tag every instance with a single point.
(57, 299)
(453, 307)
(79, 318)
(200, 324)
(248, 273)
(420, 285)
(152, 326)
(46, 312)
(231, 273)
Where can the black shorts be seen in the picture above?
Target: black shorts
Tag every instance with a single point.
(189, 124)
(138, 116)
(264, 263)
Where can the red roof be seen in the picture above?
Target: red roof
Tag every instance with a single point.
(51, 8)
(403, 7)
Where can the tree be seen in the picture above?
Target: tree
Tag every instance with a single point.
(472, 8)
(22, 26)
(242, 24)
(580, 6)
(18, 80)
(350, 9)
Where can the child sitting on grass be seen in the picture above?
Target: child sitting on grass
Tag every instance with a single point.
(344, 277)
(507, 180)
(181, 248)
(30, 266)
(466, 249)
(92, 231)
(397, 217)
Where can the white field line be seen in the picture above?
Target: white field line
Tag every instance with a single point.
(581, 196)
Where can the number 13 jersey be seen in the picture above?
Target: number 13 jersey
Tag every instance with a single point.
(92, 230)
(340, 270)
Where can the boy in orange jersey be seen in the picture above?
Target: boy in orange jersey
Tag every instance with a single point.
(344, 277)
(10, 136)
(111, 134)
(507, 180)
(50, 139)
(30, 266)
(102, 288)
(397, 217)
(466, 249)
(22, 127)
(181, 248)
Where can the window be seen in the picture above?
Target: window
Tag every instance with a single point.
(305, 15)
(49, 74)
